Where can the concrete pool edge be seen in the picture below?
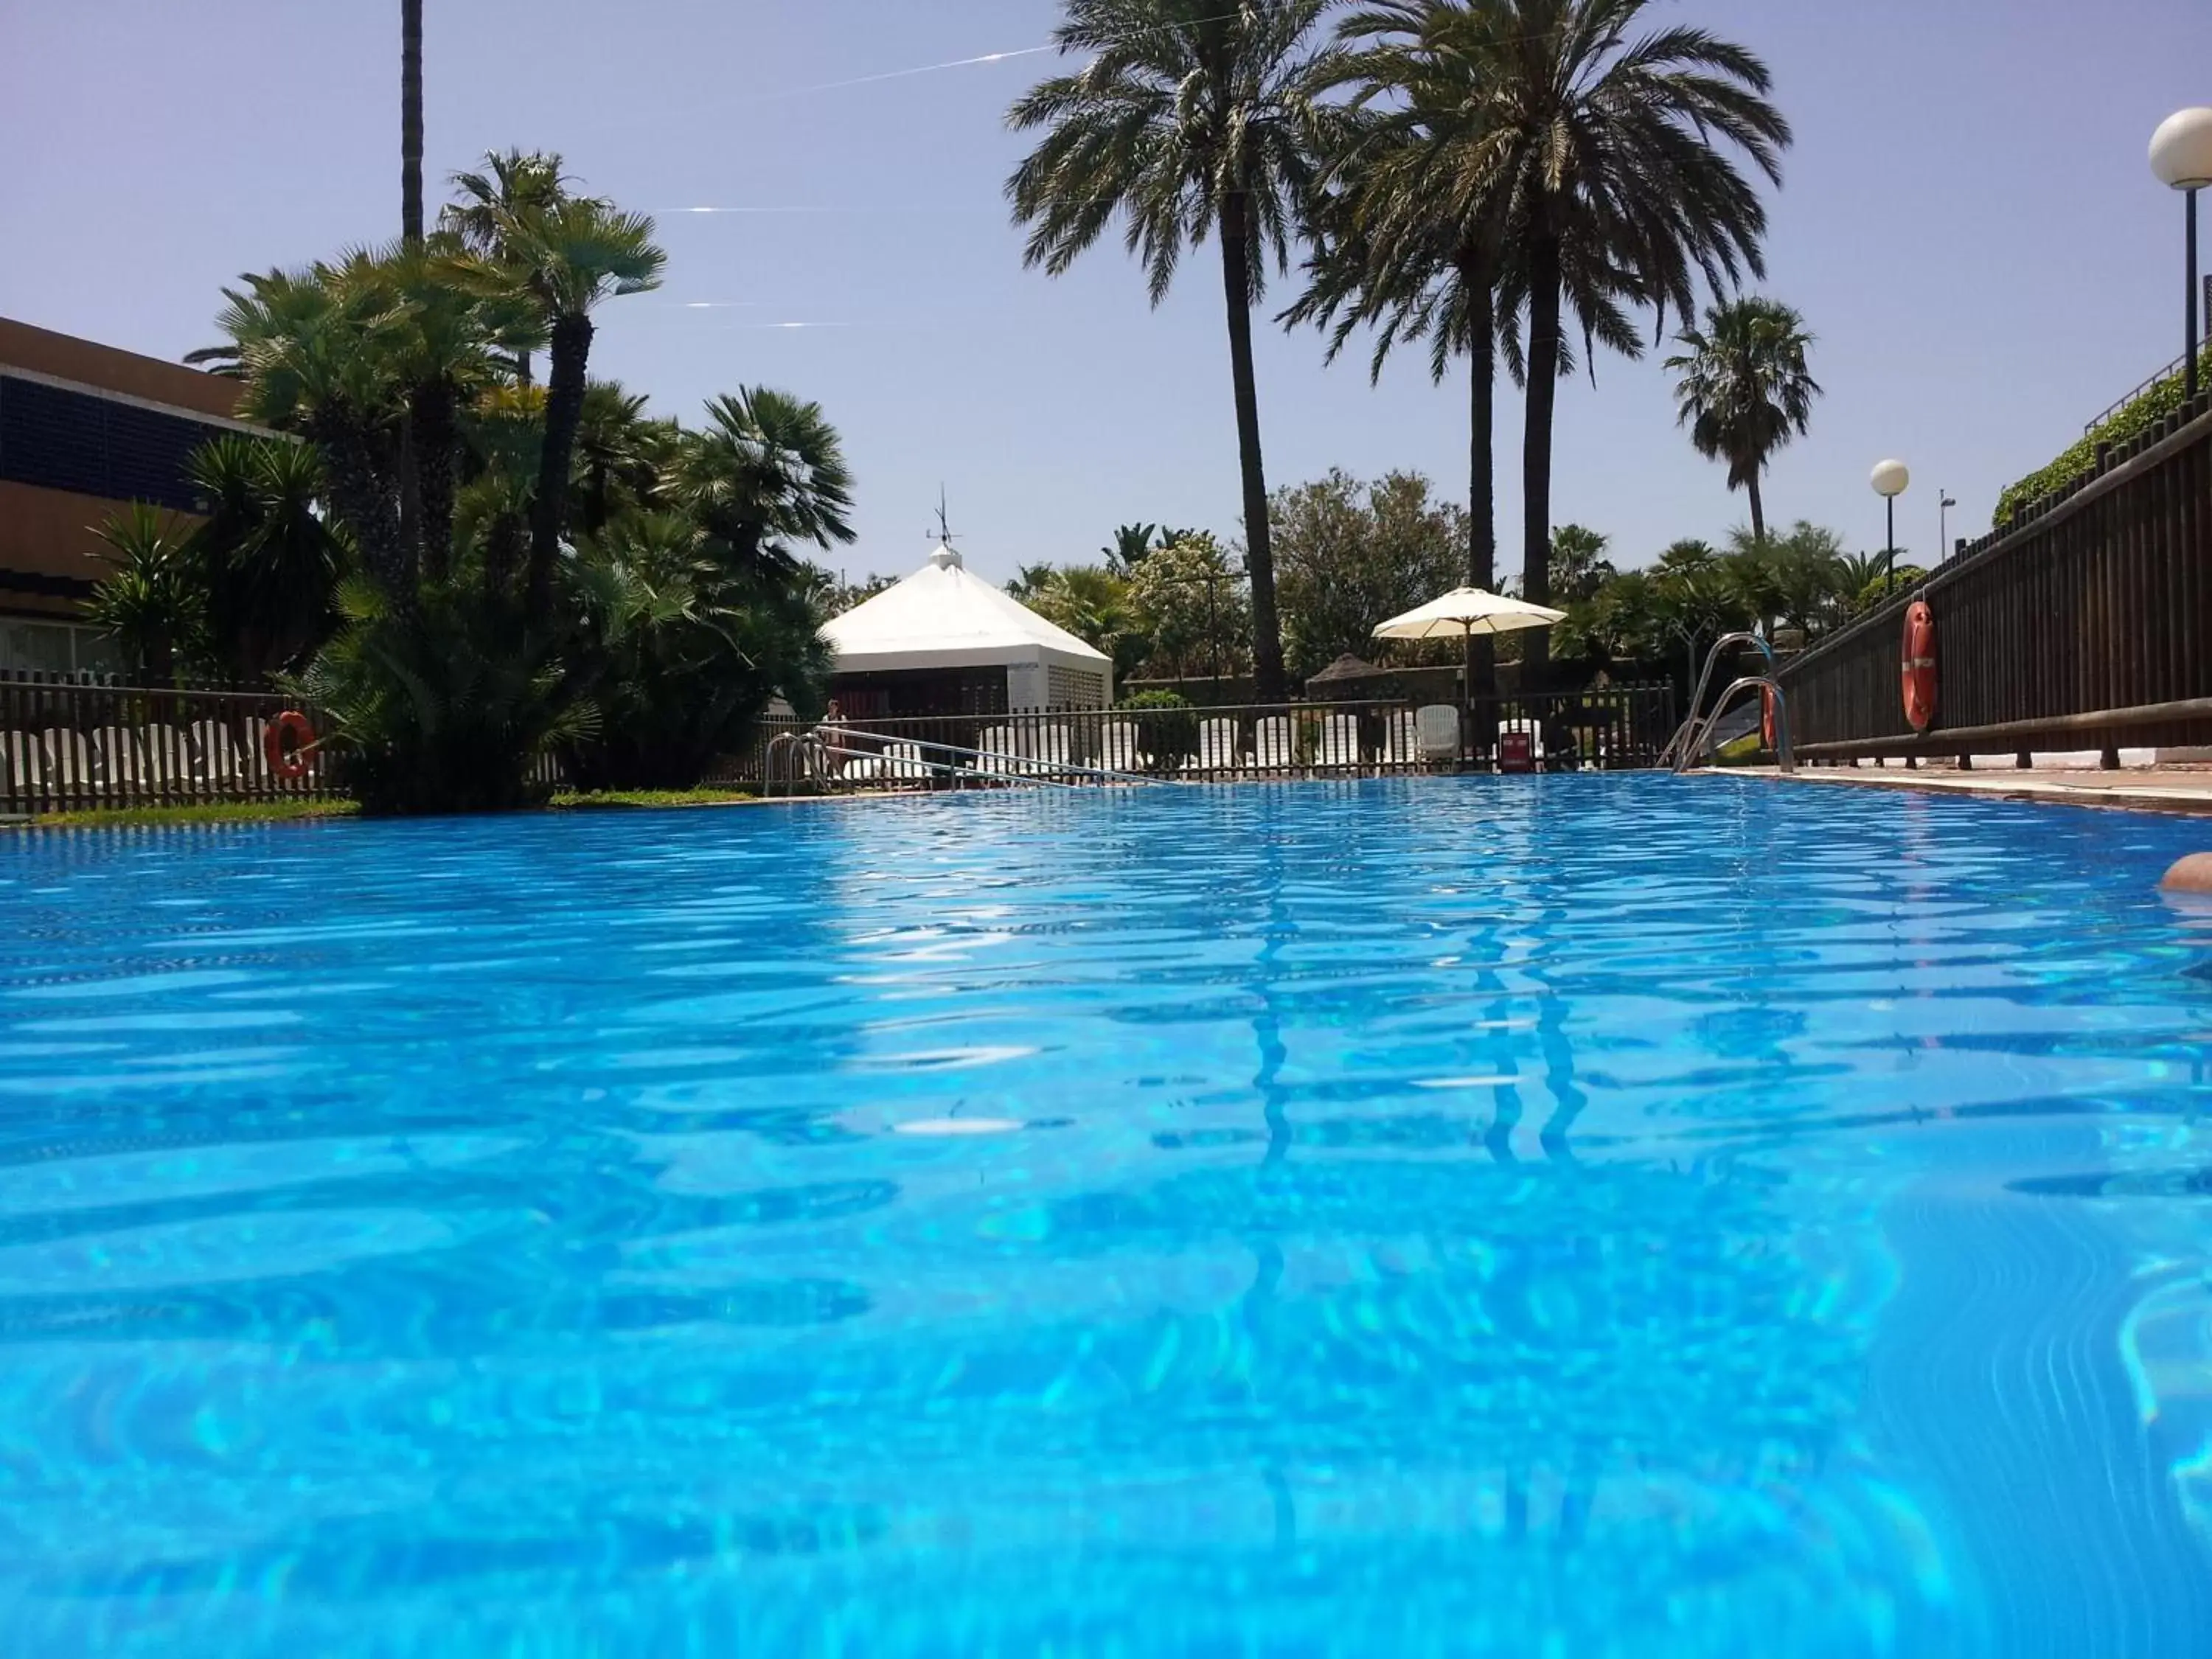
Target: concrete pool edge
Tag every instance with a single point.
(2186, 793)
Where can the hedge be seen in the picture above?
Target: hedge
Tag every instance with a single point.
(2129, 421)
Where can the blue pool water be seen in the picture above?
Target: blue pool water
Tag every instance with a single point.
(1534, 1216)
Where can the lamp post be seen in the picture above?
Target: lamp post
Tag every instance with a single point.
(1890, 478)
(1944, 502)
(2181, 157)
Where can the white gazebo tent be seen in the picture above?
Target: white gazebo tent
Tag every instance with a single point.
(943, 621)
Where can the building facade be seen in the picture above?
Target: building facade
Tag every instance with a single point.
(85, 429)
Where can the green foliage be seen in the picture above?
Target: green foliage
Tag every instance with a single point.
(1191, 123)
(1170, 737)
(1879, 590)
(1579, 567)
(609, 799)
(2079, 461)
(1190, 605)
(288, 810)
(829, 595)
(683, 649)
(1092, 603)
(448, 707)
(151, 603)
(534, 571)
(767, 470)
(266, 562)
(1351, 554)
(1743, 389)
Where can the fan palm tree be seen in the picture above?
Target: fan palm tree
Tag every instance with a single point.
(1608, 153)
(1194, 119)
(567, 256)
(620, 455)
(410, 119)
(318, 351)
(769, 470)
(1744, 389)
(509, 183)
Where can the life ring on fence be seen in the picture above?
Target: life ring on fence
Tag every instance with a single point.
(1919, 653)
(291, 763)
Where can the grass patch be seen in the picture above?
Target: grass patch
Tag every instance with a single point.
(607, 799)
(289, 811)
(243, 811)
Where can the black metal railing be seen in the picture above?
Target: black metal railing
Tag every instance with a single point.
(1613, 728)
(67, 743)
(2087, 624)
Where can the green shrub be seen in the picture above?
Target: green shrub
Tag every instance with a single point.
(2130, 421)
(447, 706)
(1170, 738)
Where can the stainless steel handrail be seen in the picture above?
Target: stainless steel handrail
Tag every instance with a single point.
(1783, 750)
(1022, 768)
(1674, 753)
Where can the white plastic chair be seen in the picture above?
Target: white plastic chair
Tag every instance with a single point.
(1218, 747)
(1272, 747)
(1337, 743)
(995, 751)
(1051, 745)
(1401, 743)
(1117, 746)
(1438, 731)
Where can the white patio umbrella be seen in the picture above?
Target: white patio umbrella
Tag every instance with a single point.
(1467, 611)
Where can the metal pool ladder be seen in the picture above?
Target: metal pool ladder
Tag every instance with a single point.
(1687, 746)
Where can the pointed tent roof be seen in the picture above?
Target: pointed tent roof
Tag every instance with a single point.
(1347, 667)
(945, 615)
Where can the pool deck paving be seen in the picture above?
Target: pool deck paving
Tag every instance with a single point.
(2159, 788)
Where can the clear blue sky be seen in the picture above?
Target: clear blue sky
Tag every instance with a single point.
(1967, 222)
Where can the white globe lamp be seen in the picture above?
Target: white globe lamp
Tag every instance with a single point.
(2181, 159)
(1889, 481)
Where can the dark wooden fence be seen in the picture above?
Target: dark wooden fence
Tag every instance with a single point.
(66, 743)
(2086, 624)
(1615, 728)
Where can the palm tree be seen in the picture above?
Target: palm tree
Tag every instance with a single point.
(1744, 389)
(151, 603)
(620, 455)
(318, 348)
(1607, 151)
(1131, 543)
(410, 119)
(567, 256)
(509, 183)
(768, 471)
(1413, 226)
(267, 563)
(1193, 119)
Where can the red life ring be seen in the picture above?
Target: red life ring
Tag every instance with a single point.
(1919, 652)
(289, 763)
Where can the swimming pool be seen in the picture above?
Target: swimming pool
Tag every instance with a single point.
(1578, 1215)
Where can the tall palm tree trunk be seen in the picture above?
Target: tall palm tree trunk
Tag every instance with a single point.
(433, 429)
(410, 119)
(1758, 511)
(570, 353)
(1481, 479)
(1536, 449)
(1268, 682)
